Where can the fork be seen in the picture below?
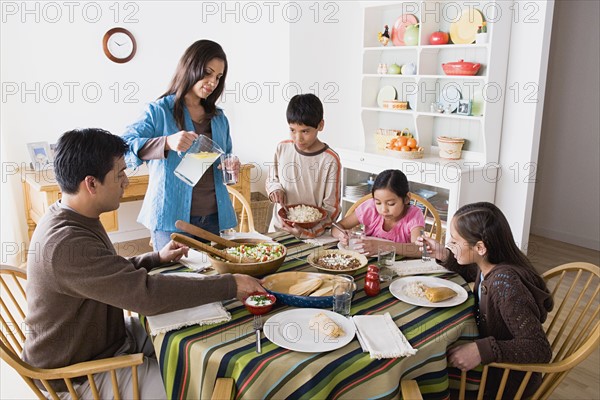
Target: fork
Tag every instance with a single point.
(257, 326)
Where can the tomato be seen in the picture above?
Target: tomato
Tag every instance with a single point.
(412, 143)
(405, 148)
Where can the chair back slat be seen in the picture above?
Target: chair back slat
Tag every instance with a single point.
(242, 209)
(572, 327)
(13, 304)
(433, 223)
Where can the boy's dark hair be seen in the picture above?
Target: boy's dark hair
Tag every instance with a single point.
(190, 70)
(305, 109)
(393, 180)
(83, 152)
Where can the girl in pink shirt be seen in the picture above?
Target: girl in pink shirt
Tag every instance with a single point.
(388, 215)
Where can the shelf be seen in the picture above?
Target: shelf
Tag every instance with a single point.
(387, 110)
(455, 77)
(453, 116)
(432, 47)
(391, 48)
(393, 76)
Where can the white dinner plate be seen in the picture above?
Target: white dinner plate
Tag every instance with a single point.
(291, 330)
(449, 96)
(397, 289)
(386, 93)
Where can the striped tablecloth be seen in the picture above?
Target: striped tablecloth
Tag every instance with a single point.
(192, 358)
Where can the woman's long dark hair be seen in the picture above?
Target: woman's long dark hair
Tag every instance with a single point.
(485, 222)
(190, 70)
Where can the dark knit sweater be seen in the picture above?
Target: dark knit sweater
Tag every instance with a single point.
(77, 288)
(514, 304)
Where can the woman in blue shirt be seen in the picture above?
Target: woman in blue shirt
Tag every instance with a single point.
(169, 126)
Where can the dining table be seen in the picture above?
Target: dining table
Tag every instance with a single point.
(193, 357)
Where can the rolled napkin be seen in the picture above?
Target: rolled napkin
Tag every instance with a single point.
(201, 315)
(381, 337)
(417, 267)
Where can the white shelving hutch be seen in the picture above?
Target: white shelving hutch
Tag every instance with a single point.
(473, 177)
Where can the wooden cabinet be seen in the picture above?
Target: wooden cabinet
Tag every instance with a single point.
(473, 177)
(41, 190)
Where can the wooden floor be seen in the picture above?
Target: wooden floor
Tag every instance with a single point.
(584, 381)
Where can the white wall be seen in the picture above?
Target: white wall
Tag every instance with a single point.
(523, 107)
(52, 72)
(566, 206)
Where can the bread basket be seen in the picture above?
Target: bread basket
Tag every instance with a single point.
(383, 136)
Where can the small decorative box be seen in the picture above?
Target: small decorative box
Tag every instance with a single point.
(395, 104)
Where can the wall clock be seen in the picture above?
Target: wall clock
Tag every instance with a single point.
(119, 45)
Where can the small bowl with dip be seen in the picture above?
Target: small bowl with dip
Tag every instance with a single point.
(259, 303)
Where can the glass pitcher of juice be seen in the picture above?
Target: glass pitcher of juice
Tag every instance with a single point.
(197, 160)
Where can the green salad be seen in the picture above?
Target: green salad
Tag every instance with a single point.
(261, 251)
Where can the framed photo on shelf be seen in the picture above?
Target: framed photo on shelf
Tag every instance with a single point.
(40, 154)
(464, 107)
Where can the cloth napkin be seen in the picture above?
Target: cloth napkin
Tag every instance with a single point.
(417, 267)
(321, 240)
(201, 315)
(206, 314)
(380, 336)
(196, 260)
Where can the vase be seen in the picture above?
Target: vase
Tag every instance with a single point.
(481, 38)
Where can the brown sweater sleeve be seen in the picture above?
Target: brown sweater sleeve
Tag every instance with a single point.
(84, 267)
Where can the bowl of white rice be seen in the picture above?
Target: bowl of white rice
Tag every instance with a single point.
(302, 215)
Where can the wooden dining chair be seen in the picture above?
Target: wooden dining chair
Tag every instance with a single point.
(573, 330)
(243, 211)
(433, 223)
(13, 302)
(224, 389)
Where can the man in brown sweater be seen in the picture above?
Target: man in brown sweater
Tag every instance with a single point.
(77, 286)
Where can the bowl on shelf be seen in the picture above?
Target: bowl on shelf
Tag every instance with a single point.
(304, 225)
(256, 269)
(259, 303)
(340, 256)
(461, 67)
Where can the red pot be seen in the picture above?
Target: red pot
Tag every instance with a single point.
(461, 67)
(439, 38)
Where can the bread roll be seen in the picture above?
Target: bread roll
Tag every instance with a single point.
(326, 325)
(437, 294)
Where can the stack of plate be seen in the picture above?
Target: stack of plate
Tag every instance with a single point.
(356, 191)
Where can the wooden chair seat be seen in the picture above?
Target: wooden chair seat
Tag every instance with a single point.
(13, 302)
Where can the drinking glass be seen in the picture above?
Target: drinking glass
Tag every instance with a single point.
(343, 287)
(386, 255)
(197, 160)
(229, 166)
(355, 239)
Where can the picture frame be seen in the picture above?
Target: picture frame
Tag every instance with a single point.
(40, 154)
(464, 107)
